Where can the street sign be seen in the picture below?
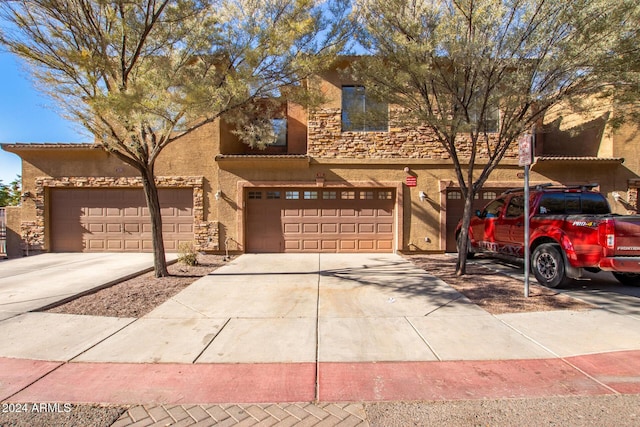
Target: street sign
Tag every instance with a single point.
(525, 151)
(412, 181)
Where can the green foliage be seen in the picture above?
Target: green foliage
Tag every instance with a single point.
(448, 65)
(10, 194)
(187, 253)
(139, 75)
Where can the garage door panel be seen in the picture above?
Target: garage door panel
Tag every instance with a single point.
(95, 228)
(293, 245)
(115, 245)
(329, 228)
(329, 245)
(116, 219)
(186, 228)
(310, 228)
(347, 245)
(96, 245)
(366, 245)
(311, 245)
(384, 228)
(384, 245)
(366, 228)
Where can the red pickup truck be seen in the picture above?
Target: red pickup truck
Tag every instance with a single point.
(571, 229)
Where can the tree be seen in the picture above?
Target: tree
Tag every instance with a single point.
(10, 194)
(142, 74)
(452, 65)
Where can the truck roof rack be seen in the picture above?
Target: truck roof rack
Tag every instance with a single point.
(583, 187)
(533, 187)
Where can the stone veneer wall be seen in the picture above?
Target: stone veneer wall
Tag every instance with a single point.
(326, 139)
(205, 232)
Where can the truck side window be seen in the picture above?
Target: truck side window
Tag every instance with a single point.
(572, 204)
(551, 204)
(594, 204)
(493, 209)
(516, 206)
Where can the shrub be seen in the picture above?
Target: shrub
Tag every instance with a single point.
(187, 253)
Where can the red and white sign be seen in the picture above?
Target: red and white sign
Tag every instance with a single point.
(525, 152)
(412, 181)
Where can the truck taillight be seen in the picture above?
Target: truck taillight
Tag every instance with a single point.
(607, 236)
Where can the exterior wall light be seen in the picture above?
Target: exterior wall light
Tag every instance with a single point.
(218, 195)
(422, 195)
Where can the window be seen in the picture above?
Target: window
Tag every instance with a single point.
(516, 206)
(384, 195)
(347, 195)
(573, 203)
(271, 195)
(292, 195)
(329, 195)
(489, 195)
(360, 113)
(493, 209)
(310, 195)
(491, 122)
(366, 195)
(280, 130)
(552, 204)
(594, 204)
(255, 194)
(454, 195)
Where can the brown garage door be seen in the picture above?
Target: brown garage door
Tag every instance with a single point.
(455, 209)
(319, 220)
(117, 220)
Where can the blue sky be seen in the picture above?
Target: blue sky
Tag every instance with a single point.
(27, 116)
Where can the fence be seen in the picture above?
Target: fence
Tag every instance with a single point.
(3, 233)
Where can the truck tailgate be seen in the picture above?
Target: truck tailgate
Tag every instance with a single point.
(627, 235)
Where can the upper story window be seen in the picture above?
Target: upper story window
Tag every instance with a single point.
(280, 130)
(491, 122)
(361, 113)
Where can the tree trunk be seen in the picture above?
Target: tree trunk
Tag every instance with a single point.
(153, 203)
(461, 264)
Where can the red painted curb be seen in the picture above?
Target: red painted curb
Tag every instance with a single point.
(619, 370)
(174, 383)
(129, 383)
(452, 380)
(17, 374)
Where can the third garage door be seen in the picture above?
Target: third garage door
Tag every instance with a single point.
(319, 220)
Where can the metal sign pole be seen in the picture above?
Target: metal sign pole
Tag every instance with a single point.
(525, 158)
(526, 231)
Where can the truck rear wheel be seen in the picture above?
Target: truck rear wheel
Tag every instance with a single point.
(628, 279)
(547, 264)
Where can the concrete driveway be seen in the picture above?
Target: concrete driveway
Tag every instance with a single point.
(30, 283)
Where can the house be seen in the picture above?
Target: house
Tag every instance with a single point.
(333, 182)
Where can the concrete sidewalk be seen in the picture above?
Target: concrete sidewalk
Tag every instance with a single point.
(318, 327)
(30, 283)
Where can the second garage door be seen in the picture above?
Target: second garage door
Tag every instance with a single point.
(117, 220)
(319, 220)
